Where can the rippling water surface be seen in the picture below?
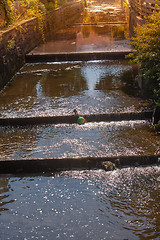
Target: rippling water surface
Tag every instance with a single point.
(73, 140)
(57, 89)
(123, 204)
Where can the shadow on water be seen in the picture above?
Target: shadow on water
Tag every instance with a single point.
(82, 204)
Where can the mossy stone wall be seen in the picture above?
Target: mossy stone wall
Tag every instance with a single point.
(21, 39)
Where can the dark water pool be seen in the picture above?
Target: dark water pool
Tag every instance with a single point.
(123, 204)
(57, 89)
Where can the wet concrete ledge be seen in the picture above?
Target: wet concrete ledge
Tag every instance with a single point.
(56, 164)
(106, 117)
(76, 56)
(99, 23)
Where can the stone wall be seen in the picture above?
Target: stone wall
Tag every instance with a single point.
(18, 41)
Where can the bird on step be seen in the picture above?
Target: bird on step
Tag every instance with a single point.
(80, 119)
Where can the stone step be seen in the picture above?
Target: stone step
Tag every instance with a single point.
(76, 56)
(53, 164)
(106, 117)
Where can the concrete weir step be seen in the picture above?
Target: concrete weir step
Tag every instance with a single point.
(55, 164)
(76, 56)
(106, 117)
(100, 23)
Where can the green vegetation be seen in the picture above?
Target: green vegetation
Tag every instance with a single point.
(147, 45)
(13, 12)
(7, 12)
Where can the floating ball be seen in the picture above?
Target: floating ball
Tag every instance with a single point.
(81, 120)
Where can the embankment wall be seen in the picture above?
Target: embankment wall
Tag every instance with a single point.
(15, 43)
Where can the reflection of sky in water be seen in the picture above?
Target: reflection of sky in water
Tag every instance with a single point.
(39, 89)
(56, 89)
(93, 73)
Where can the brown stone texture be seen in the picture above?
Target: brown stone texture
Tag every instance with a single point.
(21, 39)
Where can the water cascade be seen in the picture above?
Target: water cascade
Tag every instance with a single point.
(53, 182)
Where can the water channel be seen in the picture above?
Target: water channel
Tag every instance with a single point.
(59, 88)
(79, 204)
(123, 204)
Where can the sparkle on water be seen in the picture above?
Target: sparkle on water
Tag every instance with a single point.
(57, 89)
(123, 204)
(73, 140)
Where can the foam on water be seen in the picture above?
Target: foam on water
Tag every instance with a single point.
(73, 140)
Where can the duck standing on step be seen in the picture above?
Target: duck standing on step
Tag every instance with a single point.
(80, 119)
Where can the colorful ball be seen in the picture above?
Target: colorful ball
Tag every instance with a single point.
(81, 120)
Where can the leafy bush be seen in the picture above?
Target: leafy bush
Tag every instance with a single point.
(31, 8)
(8, 7)
(147, 45)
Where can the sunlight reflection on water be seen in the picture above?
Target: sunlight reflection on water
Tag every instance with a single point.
(58, 88)
(73, 140)
(82, 204)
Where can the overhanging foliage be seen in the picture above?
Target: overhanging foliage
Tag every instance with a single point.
(147, 45)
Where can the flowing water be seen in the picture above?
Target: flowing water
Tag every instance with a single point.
(103, 26)
(73, 140)
(123, 204)
(90, 87)
(91, 204)
(58, 88)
